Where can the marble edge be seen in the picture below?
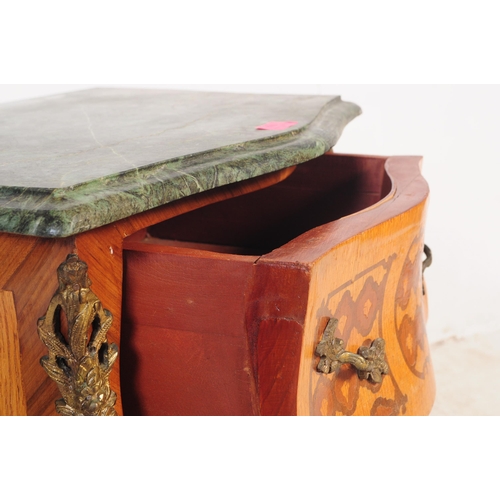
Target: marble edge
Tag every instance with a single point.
(59, 213)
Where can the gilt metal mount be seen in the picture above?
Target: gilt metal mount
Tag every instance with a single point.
(80, 359)
(426, 263)
(369, 362)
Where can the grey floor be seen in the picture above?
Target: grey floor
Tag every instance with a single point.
(467, 376)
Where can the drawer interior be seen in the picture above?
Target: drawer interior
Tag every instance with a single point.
(319, 191)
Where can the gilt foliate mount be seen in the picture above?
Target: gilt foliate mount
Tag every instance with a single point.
(80, 360)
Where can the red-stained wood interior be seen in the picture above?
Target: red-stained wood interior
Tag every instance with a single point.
(318, 192)
(184, 343)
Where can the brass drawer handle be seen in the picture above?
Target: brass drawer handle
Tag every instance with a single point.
(370, 361)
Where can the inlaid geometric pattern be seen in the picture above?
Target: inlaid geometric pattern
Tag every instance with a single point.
(408, 312)
(358, 308)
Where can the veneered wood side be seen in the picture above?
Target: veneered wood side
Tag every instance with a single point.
(12, 398)
(29, 271)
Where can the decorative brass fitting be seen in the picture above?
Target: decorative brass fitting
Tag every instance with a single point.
(428, 258)
(425, 264)
(369, 362)
(81, 361)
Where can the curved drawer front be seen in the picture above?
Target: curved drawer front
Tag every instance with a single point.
(372, 284)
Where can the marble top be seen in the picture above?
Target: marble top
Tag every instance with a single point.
(73, 162)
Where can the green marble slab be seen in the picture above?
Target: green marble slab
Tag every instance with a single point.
(74, 162)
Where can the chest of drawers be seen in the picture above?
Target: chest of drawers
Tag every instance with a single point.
(222, 260)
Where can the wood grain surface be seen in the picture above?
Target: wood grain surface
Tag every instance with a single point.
(366, 271)
(184, 333)
(12, 399)
(29, 272)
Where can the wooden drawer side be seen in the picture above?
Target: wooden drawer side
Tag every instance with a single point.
(184, 343)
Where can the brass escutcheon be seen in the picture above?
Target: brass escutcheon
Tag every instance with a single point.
(369, 362)
(80, 362)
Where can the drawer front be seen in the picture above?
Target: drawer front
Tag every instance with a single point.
(372, 284)
(365, 271)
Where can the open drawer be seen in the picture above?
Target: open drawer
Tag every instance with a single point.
(225, 307)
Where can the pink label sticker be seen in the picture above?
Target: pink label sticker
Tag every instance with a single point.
(276, 125)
